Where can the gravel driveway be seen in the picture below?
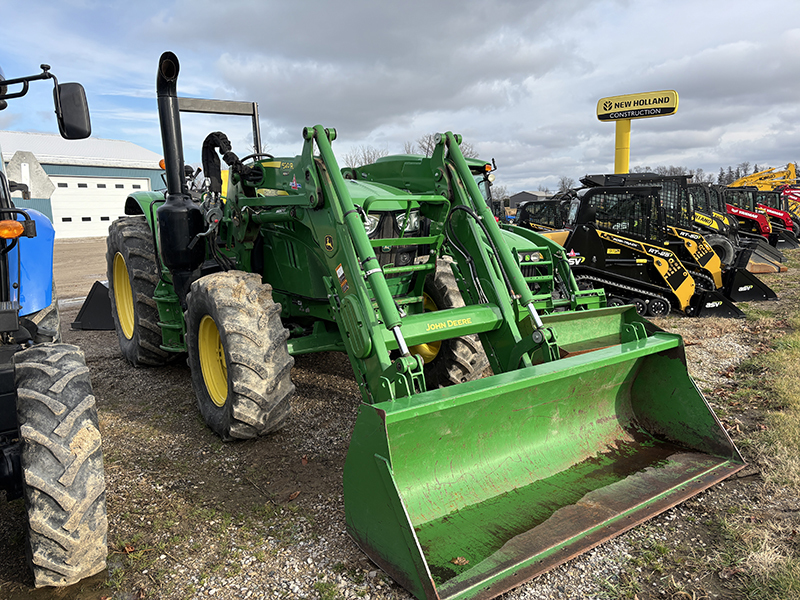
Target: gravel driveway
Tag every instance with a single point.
(191, 517)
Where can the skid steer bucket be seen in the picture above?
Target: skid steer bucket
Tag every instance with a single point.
(711, 303)
(467, 491)
(763, 258)
(743, 286)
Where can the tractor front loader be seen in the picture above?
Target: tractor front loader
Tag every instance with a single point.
(457, 485)
(543, 262)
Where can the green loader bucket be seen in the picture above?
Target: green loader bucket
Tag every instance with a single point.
(468, 491)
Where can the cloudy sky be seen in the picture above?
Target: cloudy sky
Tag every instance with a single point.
(520, 80)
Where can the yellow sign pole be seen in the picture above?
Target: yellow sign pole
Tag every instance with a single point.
(623, 109)
(622, 152)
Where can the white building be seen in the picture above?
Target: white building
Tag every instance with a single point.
(81, 185)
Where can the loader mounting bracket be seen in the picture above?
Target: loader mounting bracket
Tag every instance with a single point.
(541, 343)
(404, 377)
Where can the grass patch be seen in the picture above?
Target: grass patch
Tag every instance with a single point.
(743, 549)
(326, 590)
(624, 587)
(760, 555)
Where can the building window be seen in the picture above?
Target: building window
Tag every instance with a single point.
(82, 185)
(86, 218)
(105, 218)
(63, 185)
(101, 185)
(66, 219)
(136, 186)
(119, 186)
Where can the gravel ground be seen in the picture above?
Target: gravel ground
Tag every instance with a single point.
(191, 517)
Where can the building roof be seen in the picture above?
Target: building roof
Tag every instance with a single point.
(52, 149)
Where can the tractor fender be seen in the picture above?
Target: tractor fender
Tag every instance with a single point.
(144, 203)
(35, 267)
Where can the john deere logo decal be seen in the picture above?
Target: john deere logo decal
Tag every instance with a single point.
(329, 243)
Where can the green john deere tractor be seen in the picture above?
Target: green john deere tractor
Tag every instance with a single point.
(458, 485)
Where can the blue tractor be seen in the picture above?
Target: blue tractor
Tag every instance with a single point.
(50, 446)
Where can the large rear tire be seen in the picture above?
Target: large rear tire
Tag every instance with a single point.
(62, 464)
(723, 247)
(132, 280)
(238, 355)
(456, 360)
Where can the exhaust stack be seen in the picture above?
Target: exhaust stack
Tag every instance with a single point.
(179, 219)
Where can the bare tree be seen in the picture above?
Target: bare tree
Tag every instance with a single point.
(426, 144)
(662, 170)
(468, 150)
(500, 194)
(743, 168)
(363, 155)
(700, 176)
(672, 170)
(565, 184)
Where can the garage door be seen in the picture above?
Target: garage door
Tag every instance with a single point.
(85, 206)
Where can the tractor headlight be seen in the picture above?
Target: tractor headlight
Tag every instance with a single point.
(371, 223)
(528, 257)
(413, 222)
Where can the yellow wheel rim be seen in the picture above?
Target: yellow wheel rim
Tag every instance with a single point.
(212, 361)
(427, 351)
(123, 296)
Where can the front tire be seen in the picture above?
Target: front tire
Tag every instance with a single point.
(48, 322)
(238, 355)
(132, 280)
(455, 360)
(62, 465)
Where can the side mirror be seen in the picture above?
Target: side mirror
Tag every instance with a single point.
(72, 111)
(14, 186)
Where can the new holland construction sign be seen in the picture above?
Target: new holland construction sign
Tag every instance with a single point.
(622, 109)
(637, 106)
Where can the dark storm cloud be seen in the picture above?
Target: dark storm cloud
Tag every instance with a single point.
(519, 79)
(375, 64)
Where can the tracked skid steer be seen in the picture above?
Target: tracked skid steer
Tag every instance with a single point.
(722, 231)
(779, 229)
(695, 251)
(616, 241)
(457, 485)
